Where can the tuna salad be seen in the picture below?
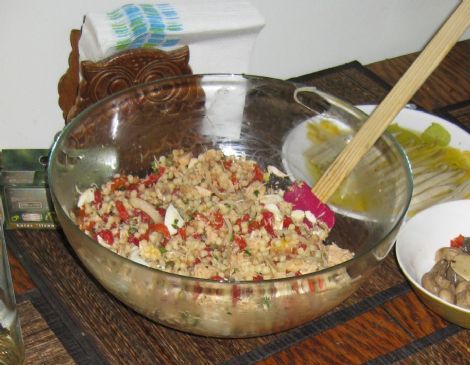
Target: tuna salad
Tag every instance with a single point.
(212, 216)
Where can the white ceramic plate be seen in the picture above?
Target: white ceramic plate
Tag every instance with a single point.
(419, 239)
(418, 121)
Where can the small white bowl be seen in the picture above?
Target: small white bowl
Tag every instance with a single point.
(420, 238)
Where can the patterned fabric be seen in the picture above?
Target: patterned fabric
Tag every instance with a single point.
(136, 26)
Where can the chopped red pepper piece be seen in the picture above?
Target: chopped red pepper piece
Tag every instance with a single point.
(308, 223)
(82, 214)
(287, 222)
(182, 233)
(107, 236)
(457, 241)
(122, 211)
(144, 217)
(90, 226)
(118, 183)
(98, 198)
(258, 174)
(197, 290)
(161, 211)
(217, 220)
(134, 240)
(160, 228)
(240, 241)
(208, 250)
(153, 178)
(217, 278)
(227, 164)
(233, 178)
(236, 294)
(244, 218)
(197, 261)
(253, 226)
(311, 285)
(303, 246)
(133, 186)
(268, 222)
(105, 217)
(258, 277)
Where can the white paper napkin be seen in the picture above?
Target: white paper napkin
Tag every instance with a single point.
(220, 34)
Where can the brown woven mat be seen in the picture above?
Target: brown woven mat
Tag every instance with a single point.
(42, 346)
(95, 328)
(457, 113)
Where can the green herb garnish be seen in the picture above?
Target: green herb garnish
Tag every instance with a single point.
(154, 165)
(266, 302)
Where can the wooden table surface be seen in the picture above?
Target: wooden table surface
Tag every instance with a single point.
(378, 325)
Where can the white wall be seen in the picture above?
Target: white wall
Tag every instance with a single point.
(300, 36)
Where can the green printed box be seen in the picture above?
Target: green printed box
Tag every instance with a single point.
(24, 191)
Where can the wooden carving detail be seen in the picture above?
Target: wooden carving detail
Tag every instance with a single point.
(130, 68)
(118, 72)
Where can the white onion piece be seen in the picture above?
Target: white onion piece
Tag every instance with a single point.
(135, 256)
(173, 220)
(271, 199)
(203, 192)
(192, 162)
(86, 197)
(275, 171)
(147, 208)
(309, 215)
(298, 215)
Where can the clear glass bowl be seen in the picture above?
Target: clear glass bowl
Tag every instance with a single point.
(241, 115)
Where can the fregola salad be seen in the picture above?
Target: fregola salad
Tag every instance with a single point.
(212, 216)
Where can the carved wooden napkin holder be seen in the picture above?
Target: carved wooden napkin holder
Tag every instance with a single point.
(86, 83)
